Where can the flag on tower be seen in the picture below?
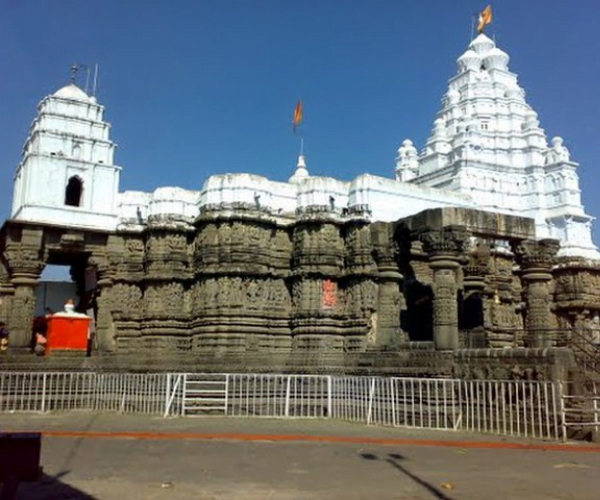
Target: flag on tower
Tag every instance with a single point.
(297, 115)
(485, 18)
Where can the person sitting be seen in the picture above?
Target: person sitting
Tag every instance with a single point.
(3, 337)
(40, 344)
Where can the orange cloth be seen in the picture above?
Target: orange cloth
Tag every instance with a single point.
(485, 18)
(297, 115)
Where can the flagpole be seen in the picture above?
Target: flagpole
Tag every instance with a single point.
(493, 20)
(301, 146)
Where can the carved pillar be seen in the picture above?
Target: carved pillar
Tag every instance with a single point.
(23, 253)
(445, 248)
(536, 259)
(7, 292)
(473, 307)
(105, 331)
(390, 301)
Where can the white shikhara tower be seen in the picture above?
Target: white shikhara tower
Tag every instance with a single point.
(487, 143)
(66, 175)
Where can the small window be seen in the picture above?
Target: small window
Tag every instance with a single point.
(485, 125)
(73, 192)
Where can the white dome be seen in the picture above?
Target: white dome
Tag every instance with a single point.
(497, 59)
(482, 45)
(470, 60)
(72, 91)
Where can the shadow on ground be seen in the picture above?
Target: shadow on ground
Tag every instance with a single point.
(50, 488)
(394, 460)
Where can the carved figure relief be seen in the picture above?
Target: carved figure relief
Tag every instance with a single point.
(330, 298)
(372, 328)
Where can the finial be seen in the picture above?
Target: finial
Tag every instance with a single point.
(301, 161)
(74, 70)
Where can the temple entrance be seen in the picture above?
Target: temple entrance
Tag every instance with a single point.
(417, 319)
(54, 289)
(66, 277)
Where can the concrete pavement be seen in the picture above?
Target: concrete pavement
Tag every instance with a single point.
(93, 456)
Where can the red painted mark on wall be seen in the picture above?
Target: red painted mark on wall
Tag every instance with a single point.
(329, 293)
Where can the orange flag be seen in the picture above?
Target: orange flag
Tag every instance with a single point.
(297, 115)
(485, 18)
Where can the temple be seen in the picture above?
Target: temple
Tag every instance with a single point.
(478, 241)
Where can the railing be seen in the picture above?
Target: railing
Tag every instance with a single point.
(124, 393)
(515, 408)
(581, 407)
(586, 351)
(291, 396)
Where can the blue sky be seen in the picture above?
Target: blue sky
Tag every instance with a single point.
(199, 87)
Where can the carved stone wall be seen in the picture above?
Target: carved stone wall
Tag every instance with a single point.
(239, 296)
(241, 281)
(318, 312)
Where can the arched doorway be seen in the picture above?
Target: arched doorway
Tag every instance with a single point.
(74, 192)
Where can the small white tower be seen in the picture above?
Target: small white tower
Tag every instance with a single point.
(407, 161)
(66, 175)
(301, 172)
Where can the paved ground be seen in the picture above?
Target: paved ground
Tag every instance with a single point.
(89, 456)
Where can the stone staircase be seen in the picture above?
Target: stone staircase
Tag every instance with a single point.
(587, 355)
(582, 392)
(204, 394)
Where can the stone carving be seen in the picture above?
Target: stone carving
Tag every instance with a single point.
(445, 312)
(540, 254)
(449, 241)
(127, 298)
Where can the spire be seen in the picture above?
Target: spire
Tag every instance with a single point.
(487, 143)
(301, 172)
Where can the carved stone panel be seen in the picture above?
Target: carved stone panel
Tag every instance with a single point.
(127, 299)
(164, 299)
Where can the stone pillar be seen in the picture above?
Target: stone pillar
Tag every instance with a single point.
(23, 254)
(390, 300)
(23, 310)
(445, 248)
(536, 259)
(105, 331)
(474, 310)
(7, 292)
